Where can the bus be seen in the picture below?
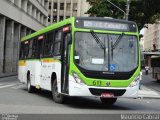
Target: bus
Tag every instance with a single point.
(83, 56)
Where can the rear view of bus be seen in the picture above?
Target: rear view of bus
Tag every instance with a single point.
(105, 59)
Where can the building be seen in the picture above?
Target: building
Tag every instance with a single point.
(142, 44)
(152, 37)
(62, 9)
(18, 18)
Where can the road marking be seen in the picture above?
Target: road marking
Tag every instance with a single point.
(18, 86)
(7, 86)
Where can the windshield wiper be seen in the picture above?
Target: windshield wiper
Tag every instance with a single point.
(102, 46)
(117, 41)
(113, 46)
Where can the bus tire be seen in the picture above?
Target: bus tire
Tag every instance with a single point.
(108, 101)
(158, 80)
(30, 88)
(57, 97)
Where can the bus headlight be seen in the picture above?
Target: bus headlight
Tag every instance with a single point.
(77, 78)
(135, 81)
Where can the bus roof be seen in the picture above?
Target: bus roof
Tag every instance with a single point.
(70, 21)
(105, 19)
(49, 28)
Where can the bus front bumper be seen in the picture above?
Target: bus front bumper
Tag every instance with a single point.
(76, 89)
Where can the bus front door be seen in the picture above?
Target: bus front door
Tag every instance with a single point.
(65, 63)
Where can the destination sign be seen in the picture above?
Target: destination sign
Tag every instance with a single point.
(108, 24)
(105, 25)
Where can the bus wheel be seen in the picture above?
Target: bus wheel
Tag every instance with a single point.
(30, 88)
(57, 97)
(158, 80)
(108, 101)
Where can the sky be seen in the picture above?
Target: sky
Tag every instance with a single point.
(142, 31)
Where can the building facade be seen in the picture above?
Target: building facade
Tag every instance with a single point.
(62, 9)
(18, 18)
(152, 37)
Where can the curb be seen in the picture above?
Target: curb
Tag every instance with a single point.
(148, 97)
(7, 75)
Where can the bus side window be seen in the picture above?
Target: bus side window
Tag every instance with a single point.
(57, 43)
(26, 49)
(34, 49)
(39, 47)
(49, 39)
(21, 54)
(30, 49)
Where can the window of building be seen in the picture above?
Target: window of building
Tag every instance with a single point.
(24, 5)
(46, 4)
(68, 6)
(38, 15)
(55, 5)
(49, 18)
(34, 12)
(49, 5)
(54, 18)
(61, 18)
(17, 2)
(74, 6)
(61, 6)
(41, 18)
(29, 8)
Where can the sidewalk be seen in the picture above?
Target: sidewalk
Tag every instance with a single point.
(148, 93)
(7, 75)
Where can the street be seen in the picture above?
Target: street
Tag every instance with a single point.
(149, 82)
(15, 99)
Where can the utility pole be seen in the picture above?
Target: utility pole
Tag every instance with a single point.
(127, 9)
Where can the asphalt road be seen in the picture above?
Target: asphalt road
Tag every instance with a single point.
(151, 83)
(16, 102)
(14, 98)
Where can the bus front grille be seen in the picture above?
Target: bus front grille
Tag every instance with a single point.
(98, 92)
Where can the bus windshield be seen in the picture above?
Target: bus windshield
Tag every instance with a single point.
(120, 53)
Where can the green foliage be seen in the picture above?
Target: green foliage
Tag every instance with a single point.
(141, 11)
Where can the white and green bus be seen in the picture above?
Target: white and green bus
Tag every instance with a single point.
(83, 56)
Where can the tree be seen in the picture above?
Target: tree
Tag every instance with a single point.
(141, 11)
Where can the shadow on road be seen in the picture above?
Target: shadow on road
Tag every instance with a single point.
(80, 102)
(90, 103)
(95, 103)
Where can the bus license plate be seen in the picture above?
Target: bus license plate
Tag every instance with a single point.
(107, 95)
